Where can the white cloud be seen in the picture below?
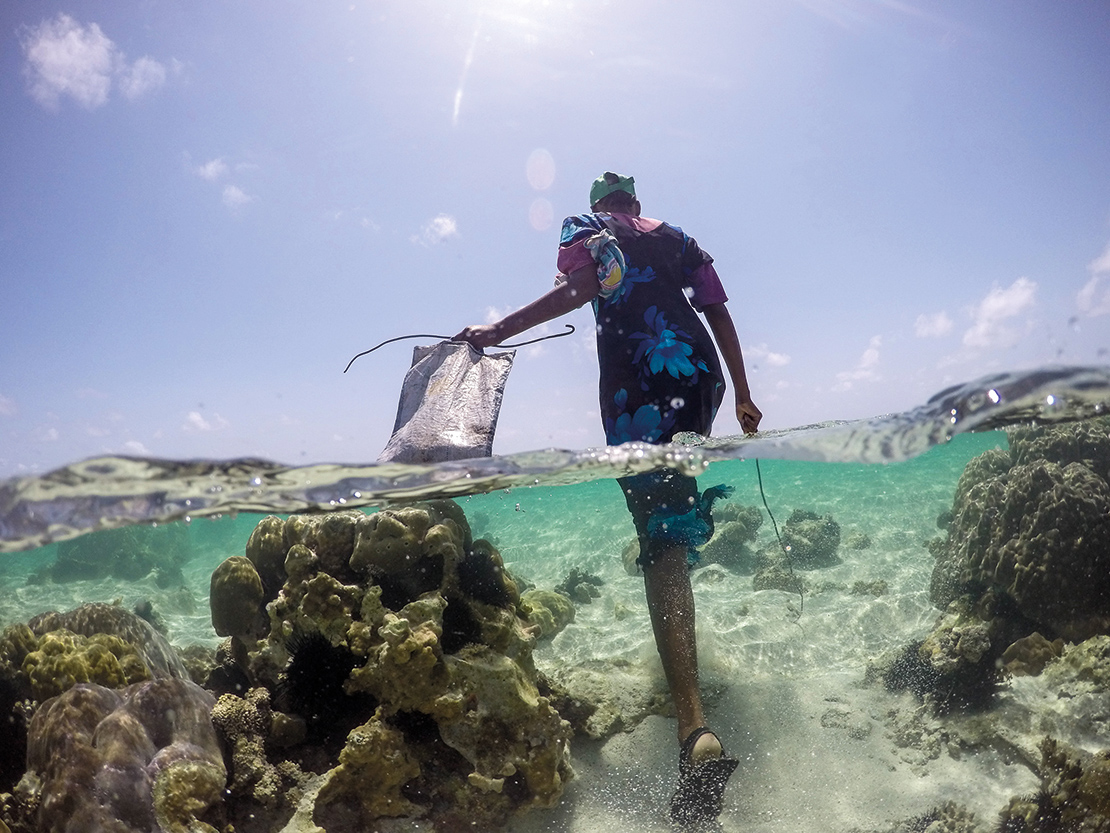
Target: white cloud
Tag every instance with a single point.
(236, 197)
(932, 325)
(495, 314)
(212, 170)
(135, 448)
(1094, 298)
(761, 354)
(865, 371)
(141, 77)
(68, 59)
(437, 230)
(1101, 264)
(990, 316)
(195, 422)
(7, 406)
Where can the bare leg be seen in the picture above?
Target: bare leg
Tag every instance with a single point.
(671, 604)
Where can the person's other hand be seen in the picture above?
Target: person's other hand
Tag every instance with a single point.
(748, 415)
(479, 336)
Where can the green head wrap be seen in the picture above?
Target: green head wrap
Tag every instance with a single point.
(609, 182)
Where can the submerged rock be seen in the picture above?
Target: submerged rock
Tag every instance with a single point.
(128, 554)
(139, 759)
(1034, 525)
(812, 539)
(547, 611)
(404, 650)
(243, 725)
(1074, 794)
(580, 586)
(1028, 656)
(115, 735)
(92, 619)
(956, 667)
(736, 528)
(62, 659)
(235, 599)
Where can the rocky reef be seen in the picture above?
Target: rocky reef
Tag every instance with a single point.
(115, 737)
(1033, 525)
(954, 668)
(1074, 794)
(375, 666)
(1024, 566)
(1023, 578)
(382, 668)
(144, 757)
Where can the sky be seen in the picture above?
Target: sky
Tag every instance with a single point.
(207, 208)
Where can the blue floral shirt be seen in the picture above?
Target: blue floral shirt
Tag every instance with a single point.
(660, 373)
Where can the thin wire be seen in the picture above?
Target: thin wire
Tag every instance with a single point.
(570, 328)
(785, 551)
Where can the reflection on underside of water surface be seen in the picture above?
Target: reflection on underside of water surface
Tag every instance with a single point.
(110, 492)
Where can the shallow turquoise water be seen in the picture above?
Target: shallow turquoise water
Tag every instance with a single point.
(774, 666)
(543, 532)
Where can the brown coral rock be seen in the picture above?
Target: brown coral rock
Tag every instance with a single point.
(441, 685)
(1040, 533)
(236, 598)
(64, 659)
(266, 551)
(1028, 656)
(142, 758)
(243, 724)
(1086, 442)
(91, 619)
(373, 767)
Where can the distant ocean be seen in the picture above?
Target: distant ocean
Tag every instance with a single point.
(783, 673)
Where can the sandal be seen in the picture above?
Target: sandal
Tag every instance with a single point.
(701, 787)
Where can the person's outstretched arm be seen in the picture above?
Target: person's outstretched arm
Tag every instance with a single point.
(581, 286)
(724, 332)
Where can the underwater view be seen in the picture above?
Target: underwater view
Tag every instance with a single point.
(903, 625)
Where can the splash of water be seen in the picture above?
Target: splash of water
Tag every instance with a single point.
(108, 492)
